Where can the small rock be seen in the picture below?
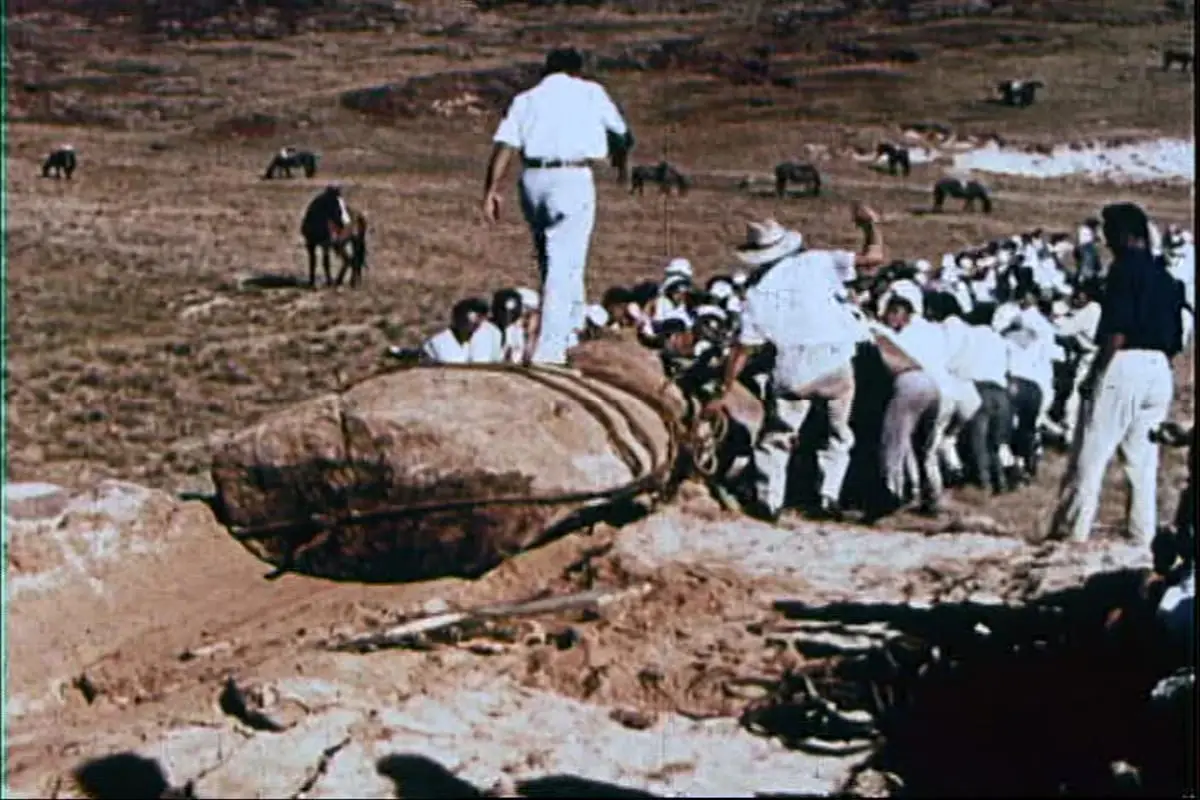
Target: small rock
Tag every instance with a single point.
(435, 606)
(633, 718)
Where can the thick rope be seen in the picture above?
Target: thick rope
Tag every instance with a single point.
(655, 480)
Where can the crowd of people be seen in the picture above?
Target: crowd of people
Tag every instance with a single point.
(991, 352)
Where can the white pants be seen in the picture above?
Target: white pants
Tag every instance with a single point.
(959, 400)
(1133, 397)
(560, 207)
(788, 411)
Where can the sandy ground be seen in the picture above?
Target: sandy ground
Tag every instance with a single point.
(143, 675)
(132, 342)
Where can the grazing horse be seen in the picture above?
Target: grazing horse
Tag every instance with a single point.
(805, 175)
(662, 173)
(1019, 93)
(897, 158)
(1176, 55)
(61, 162)
(326, 225)
(289, 159)
(352, 249)
(969, 191)
(619, 148)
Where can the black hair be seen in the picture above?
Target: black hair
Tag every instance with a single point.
(469, 305)
(644, 292)
(1123, 221)
(940, 305)
(506, 307)
(983, 314)
(564, 59)
(617, 295)
(669, 327)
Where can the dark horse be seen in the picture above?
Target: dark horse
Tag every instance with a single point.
(61, 162)
(1177, 55)
(329, 224)
(1019, 93)
(970, 191)
(897, 158)
(662, 173)
(288, 159)
(619, 148)
(792, 172)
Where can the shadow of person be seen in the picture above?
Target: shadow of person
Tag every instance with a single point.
(123, 776)
(417, 776)
(574, 786)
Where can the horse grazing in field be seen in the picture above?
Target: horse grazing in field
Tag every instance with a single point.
(329, 225)
(968, 191)
(289, 159)
(1177, 55)
(793, 172)
(60, 163)
(897, 158)
(1019, 93)
(619, 148)
(662, 173)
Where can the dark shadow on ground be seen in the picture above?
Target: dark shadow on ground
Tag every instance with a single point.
(1014, 702)
(271, 280)
(419, 776)
(125, 776)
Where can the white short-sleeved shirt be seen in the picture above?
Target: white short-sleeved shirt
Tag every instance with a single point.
(1081, 323)
(562, 117)
(445, 348)
(492, 345)
(796, 303)
(796, 307)
(1031, 360)
(925, 343)
(985, 359)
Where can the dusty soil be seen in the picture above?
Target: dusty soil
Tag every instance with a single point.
(131, 343)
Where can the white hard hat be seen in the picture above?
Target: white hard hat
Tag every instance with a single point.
(596, 315)
(679, 266)
(530, 300)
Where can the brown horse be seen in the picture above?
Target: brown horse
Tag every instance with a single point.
(330, 225)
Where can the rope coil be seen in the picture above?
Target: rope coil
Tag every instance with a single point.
(650, 478)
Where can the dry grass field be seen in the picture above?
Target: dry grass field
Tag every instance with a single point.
(130, 341)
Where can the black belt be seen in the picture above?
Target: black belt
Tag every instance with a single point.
(553, 163)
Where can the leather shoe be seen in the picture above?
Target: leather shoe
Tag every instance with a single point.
(828, 510)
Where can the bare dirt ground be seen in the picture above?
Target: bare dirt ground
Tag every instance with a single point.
(130, 344)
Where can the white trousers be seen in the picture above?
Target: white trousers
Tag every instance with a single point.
(773, 452)
(1133, 397)
(560, 207)
(958, 401)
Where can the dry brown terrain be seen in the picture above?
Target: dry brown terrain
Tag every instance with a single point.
(130, 342)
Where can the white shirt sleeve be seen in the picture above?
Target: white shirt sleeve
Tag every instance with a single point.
(844, 265)
(750, 334)
(609, 114)
(509, 131)
(430, 349)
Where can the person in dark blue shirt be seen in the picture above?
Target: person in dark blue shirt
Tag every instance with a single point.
(1130, 387)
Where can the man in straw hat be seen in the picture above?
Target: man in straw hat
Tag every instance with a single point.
(1129, 388)
(559, 127)
(794, 302)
